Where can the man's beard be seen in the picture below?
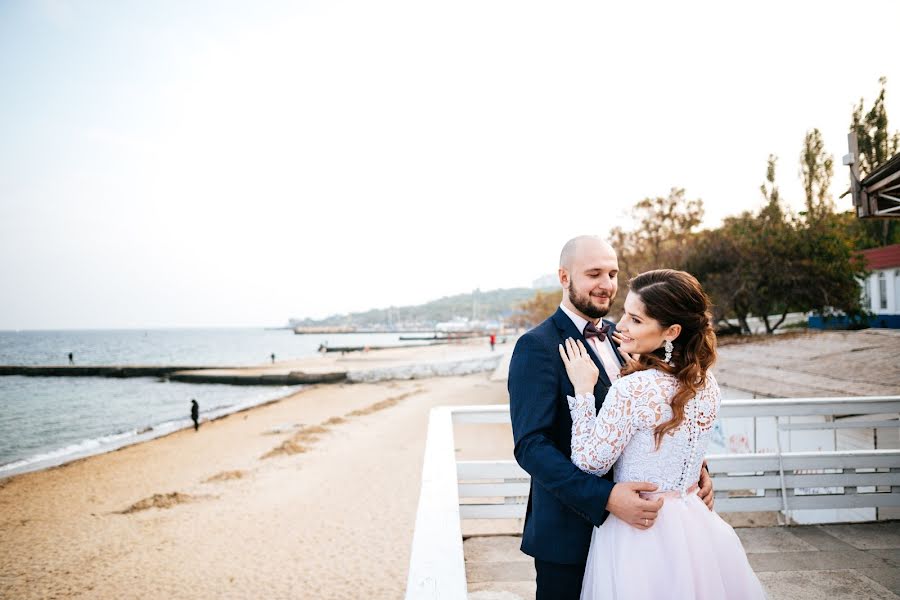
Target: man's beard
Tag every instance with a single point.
(583, 304)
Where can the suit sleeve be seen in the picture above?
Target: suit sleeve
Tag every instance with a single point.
(533, 405)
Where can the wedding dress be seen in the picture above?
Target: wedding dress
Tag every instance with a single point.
(689, 552)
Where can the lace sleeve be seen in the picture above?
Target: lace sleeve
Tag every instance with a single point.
(598, 441)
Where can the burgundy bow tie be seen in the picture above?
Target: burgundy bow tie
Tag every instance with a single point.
(591, 331)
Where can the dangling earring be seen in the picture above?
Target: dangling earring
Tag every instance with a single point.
(669, 347)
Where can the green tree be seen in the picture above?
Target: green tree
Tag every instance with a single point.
(828, 267)
(534, 310)
(664, 226)
(718, 258)
(771, 263)
(876, 145)
(875, 142)
(770, 245)
(769, 189)
(816, 170)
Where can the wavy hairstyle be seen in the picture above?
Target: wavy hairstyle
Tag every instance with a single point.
(675, 297)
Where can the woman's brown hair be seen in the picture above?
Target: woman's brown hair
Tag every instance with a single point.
(675, 297)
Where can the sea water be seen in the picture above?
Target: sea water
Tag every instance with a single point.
(46, 421)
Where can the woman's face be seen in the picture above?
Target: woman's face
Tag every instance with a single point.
(640, 333)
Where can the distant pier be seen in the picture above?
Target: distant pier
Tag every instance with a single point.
(182, 373)
(235, 377)
(121, 371)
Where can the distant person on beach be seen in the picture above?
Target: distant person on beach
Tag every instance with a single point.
(493, 341)
(71, 358)
(195, 414)
(273, 358)
(566, 506)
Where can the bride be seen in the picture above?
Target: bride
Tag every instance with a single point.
(654, 425)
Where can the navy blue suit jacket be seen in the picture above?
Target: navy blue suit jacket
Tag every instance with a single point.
(565, 503)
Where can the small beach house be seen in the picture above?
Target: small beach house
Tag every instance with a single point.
(881, 289)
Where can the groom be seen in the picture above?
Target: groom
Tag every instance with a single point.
(565, 504)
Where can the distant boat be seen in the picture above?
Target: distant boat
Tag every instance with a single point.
(463, 325)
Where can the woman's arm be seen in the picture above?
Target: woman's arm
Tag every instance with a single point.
(597, 441)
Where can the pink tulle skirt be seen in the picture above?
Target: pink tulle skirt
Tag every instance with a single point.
(690, 553)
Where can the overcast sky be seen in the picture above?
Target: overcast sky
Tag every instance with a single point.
(238, 163)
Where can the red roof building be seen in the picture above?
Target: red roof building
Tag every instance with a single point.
(881, 289)
(887, 257)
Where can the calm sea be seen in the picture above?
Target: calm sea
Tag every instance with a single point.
(47, 421)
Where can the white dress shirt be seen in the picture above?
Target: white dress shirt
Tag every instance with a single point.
(602, 350)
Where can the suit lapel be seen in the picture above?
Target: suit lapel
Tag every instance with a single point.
(615, 347)
(567, 329)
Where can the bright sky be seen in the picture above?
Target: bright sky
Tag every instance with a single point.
(175, 163)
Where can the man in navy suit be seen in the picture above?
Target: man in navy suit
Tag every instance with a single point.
(565, 504)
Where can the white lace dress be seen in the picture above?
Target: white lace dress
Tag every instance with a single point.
(690, 552)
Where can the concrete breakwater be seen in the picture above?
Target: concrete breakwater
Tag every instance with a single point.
(380, 365)
(96, 370)
(186, 374)
(235, 377)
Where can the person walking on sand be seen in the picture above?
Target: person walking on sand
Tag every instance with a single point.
(195, 414)
(71, 358)
(565, 504)
(493, 339)
(273, 358)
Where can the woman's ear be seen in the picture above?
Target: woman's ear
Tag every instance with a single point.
(673, 332)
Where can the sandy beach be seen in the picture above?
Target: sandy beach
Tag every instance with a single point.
(324, 509)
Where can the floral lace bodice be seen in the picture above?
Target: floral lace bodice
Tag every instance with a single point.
(622, 432)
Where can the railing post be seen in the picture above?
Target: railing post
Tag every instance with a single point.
(784, 501)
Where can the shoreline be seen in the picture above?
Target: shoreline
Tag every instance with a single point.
(397, 363)
(52, 459)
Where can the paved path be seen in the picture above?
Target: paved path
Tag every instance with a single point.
(817, 364)
(837, 562)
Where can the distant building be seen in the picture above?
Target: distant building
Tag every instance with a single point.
(880, 290)
(550, 280)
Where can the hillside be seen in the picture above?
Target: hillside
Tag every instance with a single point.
(494, 305)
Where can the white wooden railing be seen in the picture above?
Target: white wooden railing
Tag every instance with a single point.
(498, 489)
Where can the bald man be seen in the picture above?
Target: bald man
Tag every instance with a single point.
(565, 504)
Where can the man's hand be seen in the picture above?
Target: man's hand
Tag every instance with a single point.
(706, 491)
(626, 503)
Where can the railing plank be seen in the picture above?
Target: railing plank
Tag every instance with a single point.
(840, 425)
(813, 501)
(490, 469)
(492, 511)
(723, 504)
(436, 565)
(789, 407)
(758, 407)
(493, 413)
(491, 490)
(842, 459)
(807, 480)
